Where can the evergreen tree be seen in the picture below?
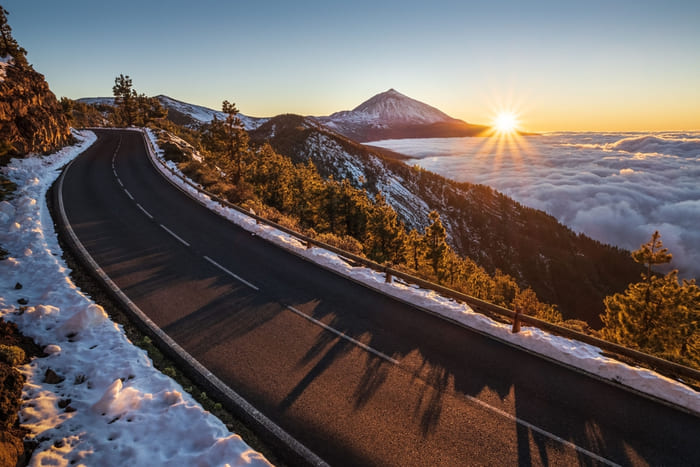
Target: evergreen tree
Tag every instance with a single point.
(505, 289)
(455, 269)
(527, 302)
(124, 100)
(414, 249)
(148, 109)
(385, 233)
(354, 209)
(435, 242)
(228, 141)
(658, 315)
(271, 176)
(8, 44)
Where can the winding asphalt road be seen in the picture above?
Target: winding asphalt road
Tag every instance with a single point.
(358, 378)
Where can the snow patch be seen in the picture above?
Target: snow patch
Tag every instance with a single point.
(111, 406)
(4, 63)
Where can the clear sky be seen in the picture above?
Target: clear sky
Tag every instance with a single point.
(562, 65)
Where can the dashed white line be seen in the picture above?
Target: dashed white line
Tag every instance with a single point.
(369, 349)
(235, 276)
(174, 235)
(144, 211)
(543, 432)
(344, 336)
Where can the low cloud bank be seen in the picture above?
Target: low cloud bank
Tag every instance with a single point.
(617, 188)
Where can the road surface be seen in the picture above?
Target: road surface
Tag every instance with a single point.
(358, 378)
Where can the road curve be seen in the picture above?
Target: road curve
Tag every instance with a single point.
(358, 378)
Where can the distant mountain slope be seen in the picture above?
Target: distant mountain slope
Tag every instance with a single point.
(393, 115)
(190, 114)
(182, 113)
(570, 270)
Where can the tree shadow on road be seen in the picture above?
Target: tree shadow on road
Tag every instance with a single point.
(443, 361)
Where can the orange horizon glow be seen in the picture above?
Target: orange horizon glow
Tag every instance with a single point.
(506, 122)
(544, 116)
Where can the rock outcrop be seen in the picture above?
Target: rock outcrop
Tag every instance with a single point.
(31, 118)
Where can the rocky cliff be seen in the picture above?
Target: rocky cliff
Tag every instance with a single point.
(31, 118)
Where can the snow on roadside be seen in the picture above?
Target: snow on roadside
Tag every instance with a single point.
(5, 61)
(571, 352)
(107, 404)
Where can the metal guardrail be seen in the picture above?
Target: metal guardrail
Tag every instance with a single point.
(614, 350)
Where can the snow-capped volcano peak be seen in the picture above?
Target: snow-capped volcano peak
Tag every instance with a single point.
(391, 114)
(392, 107)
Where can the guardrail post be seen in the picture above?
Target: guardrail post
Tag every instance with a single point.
(387, 275)
(308, 244)
(516, 321)
(255, 216)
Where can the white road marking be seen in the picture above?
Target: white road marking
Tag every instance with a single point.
(174, 235)
(144, 211)
(128, 194)
(119, 180)
(235, 276)
(543, 432)
(344, 336)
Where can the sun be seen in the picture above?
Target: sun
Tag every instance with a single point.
(505, 123)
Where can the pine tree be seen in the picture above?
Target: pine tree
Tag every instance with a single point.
(228, 142)
(435, 242)
(124, 100)
(414, 249)
(455, 269)
(527, 302)
(8, 44)
(658, 315)
(148, 109)
(385, 233)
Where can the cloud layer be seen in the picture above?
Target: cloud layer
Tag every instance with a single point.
(617, 188)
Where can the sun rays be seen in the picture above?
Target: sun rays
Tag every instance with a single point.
(505, 142)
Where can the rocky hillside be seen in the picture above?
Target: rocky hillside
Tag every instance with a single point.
(391, 115)
(31, 118)
(563, 267)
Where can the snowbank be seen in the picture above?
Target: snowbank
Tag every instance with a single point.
(96, 398)
(574, 353)
(4, 63)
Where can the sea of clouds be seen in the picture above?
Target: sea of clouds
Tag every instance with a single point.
(615, 187)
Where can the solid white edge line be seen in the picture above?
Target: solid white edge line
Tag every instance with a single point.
(344, 336)
(144, 211)
(235, 276)
(267, 424)
(174, 235)
(128, 194)
(543, 432)
(120, 182)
